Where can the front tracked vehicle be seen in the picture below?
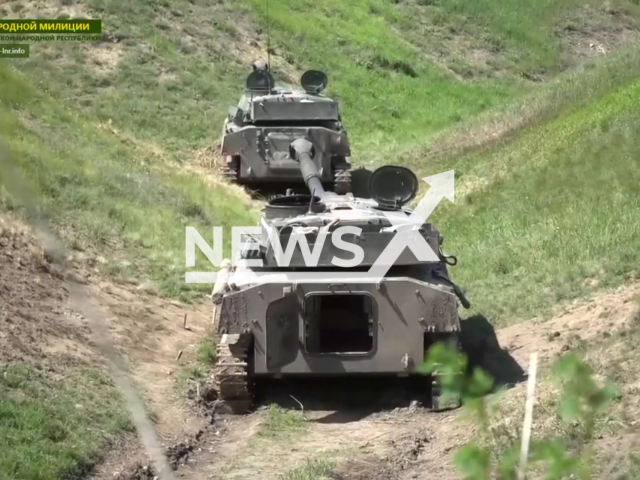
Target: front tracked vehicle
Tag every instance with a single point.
(273, 321)
(258, 131)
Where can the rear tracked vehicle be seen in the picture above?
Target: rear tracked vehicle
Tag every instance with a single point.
(258, 131)
(273, 321)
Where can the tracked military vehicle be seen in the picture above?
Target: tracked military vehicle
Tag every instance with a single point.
(295, 320)
(258, 131)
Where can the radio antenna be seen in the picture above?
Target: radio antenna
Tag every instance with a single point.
(268, 38)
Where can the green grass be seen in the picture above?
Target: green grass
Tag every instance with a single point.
(169, 79)
(568, 91)
(105, 195)
(196, 370)
(206, 352)
(389, 91)
(391, 63)
(549, 209)
(316, 469)
(280, 422)
(192, 372)
(53, 428)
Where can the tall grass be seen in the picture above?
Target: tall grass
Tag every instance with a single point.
(546, 211)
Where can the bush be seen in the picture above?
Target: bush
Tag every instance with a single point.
(580, 400)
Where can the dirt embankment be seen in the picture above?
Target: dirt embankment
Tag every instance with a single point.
(44, 322)
(37, 323)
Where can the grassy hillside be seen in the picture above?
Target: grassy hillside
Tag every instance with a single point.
(404, 69)
(552, 213)
(114, 204)
(167, 71)
(55, 428)
(100, 129)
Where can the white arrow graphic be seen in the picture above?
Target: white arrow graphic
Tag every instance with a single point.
(442, 186)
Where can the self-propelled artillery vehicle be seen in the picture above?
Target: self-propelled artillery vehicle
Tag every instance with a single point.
(276, 320)
(258, 131)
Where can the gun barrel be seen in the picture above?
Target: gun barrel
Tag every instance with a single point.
(302, 151)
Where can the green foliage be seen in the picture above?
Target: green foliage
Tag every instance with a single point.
(581, 399)
(553, 453)
(443, 360)
(450, 368)
(281, 422)
(315, 469)
(506, 465)
(474, 462)
(52, 428)
(206, 352)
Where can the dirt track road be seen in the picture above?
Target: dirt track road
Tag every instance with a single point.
(398, 443)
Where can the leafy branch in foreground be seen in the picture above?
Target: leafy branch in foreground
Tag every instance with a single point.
(581, 400)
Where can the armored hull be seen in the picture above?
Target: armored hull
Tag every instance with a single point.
(331, 307)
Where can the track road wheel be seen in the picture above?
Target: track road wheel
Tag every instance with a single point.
(438, 402)
(342, 182)
(231, 169)
(232, 372)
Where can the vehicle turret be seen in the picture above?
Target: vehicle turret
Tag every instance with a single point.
(258, 131)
